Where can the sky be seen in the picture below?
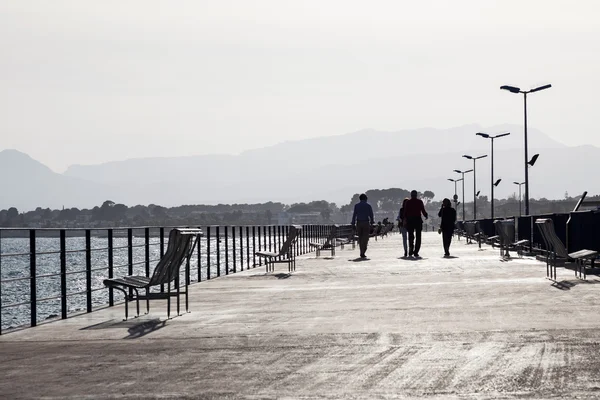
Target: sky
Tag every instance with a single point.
(85, 82)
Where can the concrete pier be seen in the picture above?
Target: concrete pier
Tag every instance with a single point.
(465, 327)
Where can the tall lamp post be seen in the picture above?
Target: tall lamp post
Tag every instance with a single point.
(514, 89)
(520, 184)
(463, 187)
(486, 136)
(455, 195)
(474, 182)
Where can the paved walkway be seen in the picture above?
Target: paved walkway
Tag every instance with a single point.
(465, 327)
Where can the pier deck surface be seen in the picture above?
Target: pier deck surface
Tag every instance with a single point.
(464, 327)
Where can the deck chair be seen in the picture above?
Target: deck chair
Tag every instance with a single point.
(558, 251)
(505, 230)
(286, 254)
(329, 244)
(180, 248)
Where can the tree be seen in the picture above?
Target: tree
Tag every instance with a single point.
(428, 195)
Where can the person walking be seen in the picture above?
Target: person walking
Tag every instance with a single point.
(402, 228)
(362, 219)
(413, 209)
(448, 216)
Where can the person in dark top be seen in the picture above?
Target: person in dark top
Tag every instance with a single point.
(363, 219)
(413, 209)
(448, 216)
(402, 228)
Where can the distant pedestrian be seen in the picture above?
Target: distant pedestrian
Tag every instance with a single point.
(363, 219)
(448, 216)
(413, 209)
(402, 228)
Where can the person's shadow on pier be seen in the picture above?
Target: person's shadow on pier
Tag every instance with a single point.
(359, 259)
(144, 328)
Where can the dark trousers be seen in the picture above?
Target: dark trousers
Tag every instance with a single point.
(414, 227)
(363, 231)
(447, 239)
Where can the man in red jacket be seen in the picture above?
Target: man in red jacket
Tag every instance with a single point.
(414, 224)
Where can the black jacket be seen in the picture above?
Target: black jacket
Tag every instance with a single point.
(448, 215)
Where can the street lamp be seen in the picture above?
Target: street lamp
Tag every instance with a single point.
(520, 184)
(455, 195)
(463, 187)
(486, 136)
(514, 89)
(474, 182)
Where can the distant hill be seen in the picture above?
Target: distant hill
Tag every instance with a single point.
(27, 184)
(331, 168)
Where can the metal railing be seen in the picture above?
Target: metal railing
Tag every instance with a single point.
(48, 274)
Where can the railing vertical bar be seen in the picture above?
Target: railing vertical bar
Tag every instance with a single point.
(233, 248)
(111, 295)
(278, 237)
(208, 252)
(88, 270)
(254, 245)
(226, 250)
(147, 249)
(218, 239)
(130, 255)
(242, 248)
(199, 259)
(247, 247)
(162, 251)
(32, 276)
(63, 274)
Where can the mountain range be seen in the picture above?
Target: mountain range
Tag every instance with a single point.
(331, 168)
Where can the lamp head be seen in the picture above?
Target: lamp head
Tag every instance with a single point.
(466, 156)
(501, 135)
(458, 171)
(478, 193)
(451, 180)
(516, 183)
(497, 182)
(537, 89)
(512, 89)
(533, 159)
(484, 135)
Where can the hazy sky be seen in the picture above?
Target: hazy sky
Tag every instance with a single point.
(93, 81)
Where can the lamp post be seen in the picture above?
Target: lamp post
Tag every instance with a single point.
(520, 184)
(474, 182)
(486, 136)
(514, 89)
(455, 195)
(463, 188)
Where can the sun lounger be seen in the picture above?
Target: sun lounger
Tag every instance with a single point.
(180, 248)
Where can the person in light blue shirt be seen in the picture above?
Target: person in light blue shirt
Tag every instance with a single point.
(362, 219)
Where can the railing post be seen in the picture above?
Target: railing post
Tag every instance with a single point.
(227, 250)
(88, 270)
(32, 278)
(233, 248)
(208, 252)
(199, 259)
(264, 238)
(130, 256)
(111, 298)
(63, 274)
(218, 239)
(147, 249)
(247, 247)
(278, 237)
(242, 248)
(254, 245)
(162, 251)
